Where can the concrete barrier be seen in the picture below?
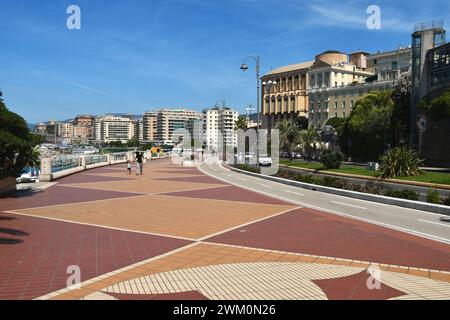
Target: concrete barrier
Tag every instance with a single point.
(434, 208)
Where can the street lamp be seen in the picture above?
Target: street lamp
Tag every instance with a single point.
(244, 68)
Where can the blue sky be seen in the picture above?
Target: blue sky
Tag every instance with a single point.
(137, 55)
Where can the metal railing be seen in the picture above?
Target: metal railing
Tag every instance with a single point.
(119, 156)
(96, 159)
(64, 163)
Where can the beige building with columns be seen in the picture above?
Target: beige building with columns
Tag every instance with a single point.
(287, 99)
(330, 79)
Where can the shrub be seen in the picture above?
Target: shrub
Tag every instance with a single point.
(400, 162)
(403, 194)
(332, 159)
(246, 167)
(338, 183)
(373, 187)
(433, 196)
(446, 201)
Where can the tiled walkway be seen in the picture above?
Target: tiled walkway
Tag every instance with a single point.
(175, 233)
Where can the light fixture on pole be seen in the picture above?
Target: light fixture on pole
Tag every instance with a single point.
(244, 68)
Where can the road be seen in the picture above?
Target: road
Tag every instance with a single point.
(421, 223)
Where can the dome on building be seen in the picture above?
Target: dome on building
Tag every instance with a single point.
(332, 57)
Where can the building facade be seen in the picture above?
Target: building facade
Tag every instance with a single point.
(387, 66)
(170, 120)
(425, 37)
(83, 129)
(218, 121)
(149, 126)
(65, 130)
(331, 73)
(112, 128)
(287, 99)
(438, 70)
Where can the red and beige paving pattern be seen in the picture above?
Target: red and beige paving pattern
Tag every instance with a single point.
(175, 233)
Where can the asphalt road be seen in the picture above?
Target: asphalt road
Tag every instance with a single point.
(421, 223)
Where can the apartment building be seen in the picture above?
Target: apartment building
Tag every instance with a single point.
(170, 120)
(65, 131)
(149, 126)
(112, 128)
(83, 127)
(219, 121)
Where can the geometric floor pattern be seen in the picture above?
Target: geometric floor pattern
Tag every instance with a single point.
(175, 233)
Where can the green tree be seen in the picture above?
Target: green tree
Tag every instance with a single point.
(241, 123)
(301, 123)
(368, 126)
(337, 123)
(133, 142)
(401, 113)
(289, 134)
(438, 107)
(16, 142)
(308, 139)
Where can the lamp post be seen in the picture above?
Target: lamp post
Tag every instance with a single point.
(224, 134)
(244, 67)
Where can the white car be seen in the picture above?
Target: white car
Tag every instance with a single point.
(265, 160)
(26, 177)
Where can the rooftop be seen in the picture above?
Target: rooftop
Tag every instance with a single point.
(292, 67)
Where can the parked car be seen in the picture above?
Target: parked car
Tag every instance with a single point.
(28, 176)
(265, 160)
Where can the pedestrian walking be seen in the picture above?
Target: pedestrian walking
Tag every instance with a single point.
(129, 167)
(139, 160)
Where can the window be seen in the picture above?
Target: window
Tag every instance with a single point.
(352, 104)
(327, 79)
(312, 81)
(343, 114)
(343, 104)
(336, 105)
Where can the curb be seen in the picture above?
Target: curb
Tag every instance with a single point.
(417, 205)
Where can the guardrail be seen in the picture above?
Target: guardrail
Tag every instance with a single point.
(56, 168)
(65, 163)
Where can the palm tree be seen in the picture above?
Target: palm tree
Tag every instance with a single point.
(289, 135)
(241, 123)
(309, 138)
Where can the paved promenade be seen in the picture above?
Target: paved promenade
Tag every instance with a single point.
(177, 233)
